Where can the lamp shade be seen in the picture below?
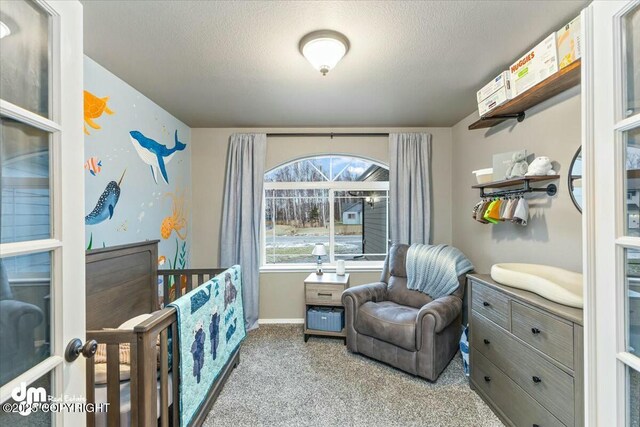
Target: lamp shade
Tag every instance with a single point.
(319, 250)
(323, 49)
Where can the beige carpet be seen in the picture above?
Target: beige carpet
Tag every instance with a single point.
(283, 381)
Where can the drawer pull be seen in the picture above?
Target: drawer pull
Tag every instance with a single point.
(536, 379)
(535, 331)
(486, 341)
(321, 294)
(486, 304)
(487, 378)
(536, 425)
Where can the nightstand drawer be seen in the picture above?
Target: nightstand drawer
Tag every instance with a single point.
(491, 304)
(516, 404)
(551, 336)
(323, 294)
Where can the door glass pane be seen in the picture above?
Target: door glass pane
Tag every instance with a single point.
(631, 141)
(24, 56)
(25, 206)
(298, 219)
(633, 391)
(40, 388)
(633, 300)
(631, 32)
(360, 225)
(25, 315)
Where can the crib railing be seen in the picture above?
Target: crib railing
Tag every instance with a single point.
(144, 370)
(176, 283)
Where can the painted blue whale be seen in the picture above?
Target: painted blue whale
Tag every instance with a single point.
(156, 155)
(106, 203)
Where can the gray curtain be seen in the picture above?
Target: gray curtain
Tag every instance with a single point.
(410, 188)
(241, 216)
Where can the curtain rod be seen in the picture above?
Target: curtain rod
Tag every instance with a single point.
(329, 134)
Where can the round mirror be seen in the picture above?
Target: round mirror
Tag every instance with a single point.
(575, 179)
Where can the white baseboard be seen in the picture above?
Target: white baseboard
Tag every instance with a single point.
(281, 321)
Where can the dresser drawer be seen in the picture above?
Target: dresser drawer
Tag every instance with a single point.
(491, 304)
(545, 382)
(323, 294)
(551, 336)
(517, 405)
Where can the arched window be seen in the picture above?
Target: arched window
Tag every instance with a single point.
(340, 201)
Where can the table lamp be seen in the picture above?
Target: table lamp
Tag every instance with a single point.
(319, 251)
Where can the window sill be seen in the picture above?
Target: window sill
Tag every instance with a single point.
(372, 267)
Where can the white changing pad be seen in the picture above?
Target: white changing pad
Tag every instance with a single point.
(125, 402)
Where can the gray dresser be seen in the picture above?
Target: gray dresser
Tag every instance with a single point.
(525, 355)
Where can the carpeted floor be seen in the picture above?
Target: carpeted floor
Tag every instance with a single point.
(283, 381)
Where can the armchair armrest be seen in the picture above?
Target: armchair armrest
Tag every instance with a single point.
(14, 314)
(360, 294)
(443, 311)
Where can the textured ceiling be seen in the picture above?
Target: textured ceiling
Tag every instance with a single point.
(237, 64)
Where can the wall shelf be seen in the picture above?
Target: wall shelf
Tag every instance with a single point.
(524, 185)
(515, 108)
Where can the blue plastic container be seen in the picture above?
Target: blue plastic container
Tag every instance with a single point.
(330, 319)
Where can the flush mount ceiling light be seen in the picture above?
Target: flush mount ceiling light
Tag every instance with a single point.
(323, 49)
(4, 30)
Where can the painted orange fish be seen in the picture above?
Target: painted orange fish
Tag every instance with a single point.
(94, 107)
(93, 165)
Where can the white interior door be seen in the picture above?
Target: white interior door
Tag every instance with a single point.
(42, 305)
(612, 224)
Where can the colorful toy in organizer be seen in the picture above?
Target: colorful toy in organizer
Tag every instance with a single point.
(210, 328)
(540, 166)
(518, 166)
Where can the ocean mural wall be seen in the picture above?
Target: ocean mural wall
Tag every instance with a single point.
(137, 169)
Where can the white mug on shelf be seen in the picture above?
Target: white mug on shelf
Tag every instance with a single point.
(340, 267)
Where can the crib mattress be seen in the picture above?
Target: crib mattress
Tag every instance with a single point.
(125, 402)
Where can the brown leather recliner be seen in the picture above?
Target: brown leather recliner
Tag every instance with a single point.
(405, 328)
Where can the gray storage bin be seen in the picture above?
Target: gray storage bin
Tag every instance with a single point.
(329, 319)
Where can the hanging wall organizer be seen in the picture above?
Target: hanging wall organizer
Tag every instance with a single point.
(518, 186)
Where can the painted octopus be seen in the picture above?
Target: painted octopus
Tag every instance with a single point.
(177, 220)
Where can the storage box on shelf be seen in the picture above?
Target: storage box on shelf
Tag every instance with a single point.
(553, 85)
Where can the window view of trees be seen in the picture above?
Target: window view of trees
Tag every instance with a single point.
(339, 196)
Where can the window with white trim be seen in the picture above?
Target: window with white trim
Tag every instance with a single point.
(340, 201)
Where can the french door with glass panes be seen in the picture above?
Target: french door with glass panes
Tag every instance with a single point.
(611, 117)
(42, 305)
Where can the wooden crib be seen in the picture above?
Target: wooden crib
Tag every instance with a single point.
(123, 282)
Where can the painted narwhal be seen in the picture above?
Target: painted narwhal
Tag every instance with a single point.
(106, 203)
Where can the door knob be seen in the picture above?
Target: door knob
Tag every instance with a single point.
(75, 349)
(486, 341)
(536, 379)
(535, 331)
(487, 378)
(486, 304)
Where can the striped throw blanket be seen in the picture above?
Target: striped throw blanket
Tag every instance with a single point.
(434, 269)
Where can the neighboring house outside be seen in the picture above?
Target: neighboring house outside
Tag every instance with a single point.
(352, 214)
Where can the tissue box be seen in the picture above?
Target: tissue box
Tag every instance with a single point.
(534, 66)
(502, 80)
(569, 43)
(325, 319)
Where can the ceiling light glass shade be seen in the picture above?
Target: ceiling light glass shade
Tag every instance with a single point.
(324, 49)
(4, 30)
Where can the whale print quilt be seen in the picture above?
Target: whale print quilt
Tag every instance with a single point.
(210, 328)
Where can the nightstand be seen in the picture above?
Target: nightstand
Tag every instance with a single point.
(324, 290)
